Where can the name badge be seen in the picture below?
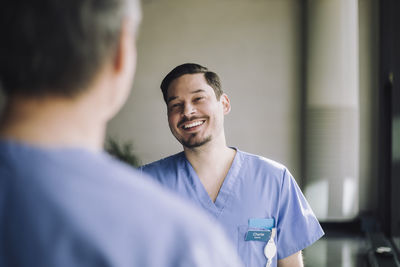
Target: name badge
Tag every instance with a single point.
(258, 235)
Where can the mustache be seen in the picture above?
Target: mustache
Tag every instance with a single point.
(186, 119)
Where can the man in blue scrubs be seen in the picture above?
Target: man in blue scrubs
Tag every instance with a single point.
(256, 199)
(66, 69)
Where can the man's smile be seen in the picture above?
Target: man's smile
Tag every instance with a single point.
(192, 125)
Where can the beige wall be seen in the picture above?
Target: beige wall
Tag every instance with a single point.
(252, 45)
(332, 109)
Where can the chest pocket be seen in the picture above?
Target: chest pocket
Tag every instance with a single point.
(251, 252)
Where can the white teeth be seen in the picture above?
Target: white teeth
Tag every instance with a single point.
(193, 124)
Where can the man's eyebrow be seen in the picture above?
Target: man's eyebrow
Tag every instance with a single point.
(193, 92)
(197, 91)
(171, 98)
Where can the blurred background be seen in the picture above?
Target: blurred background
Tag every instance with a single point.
(312, 85)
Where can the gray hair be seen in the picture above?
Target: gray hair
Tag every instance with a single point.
(55, 47)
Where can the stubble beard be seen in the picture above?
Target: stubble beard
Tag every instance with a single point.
(190, 143)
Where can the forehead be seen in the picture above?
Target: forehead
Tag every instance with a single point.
(189, 83)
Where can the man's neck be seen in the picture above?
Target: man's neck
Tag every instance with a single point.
(203, 156)
(52, 122)
(211, 163)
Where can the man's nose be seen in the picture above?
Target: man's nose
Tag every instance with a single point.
(188, 109)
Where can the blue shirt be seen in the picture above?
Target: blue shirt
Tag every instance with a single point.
(254, 188)
(72, 207)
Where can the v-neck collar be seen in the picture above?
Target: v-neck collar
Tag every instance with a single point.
(226, 191)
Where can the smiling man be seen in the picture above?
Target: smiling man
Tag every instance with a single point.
(256, 199)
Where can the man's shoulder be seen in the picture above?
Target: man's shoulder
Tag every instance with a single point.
(163, 164)
(107, 194)
(257, 161)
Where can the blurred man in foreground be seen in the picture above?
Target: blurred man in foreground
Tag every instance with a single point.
(66, 69)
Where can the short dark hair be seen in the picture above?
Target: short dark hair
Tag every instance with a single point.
(191, 68)
(55, 47)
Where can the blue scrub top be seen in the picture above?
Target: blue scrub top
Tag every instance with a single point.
(254, 188)
(69, 207)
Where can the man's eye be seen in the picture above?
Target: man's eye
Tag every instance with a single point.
(174, 106)
(198, 98)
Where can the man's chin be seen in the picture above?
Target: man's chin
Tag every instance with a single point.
(194, 143)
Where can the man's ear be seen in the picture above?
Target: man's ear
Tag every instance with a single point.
(226, 104)
(124, 47)
(122, 68)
